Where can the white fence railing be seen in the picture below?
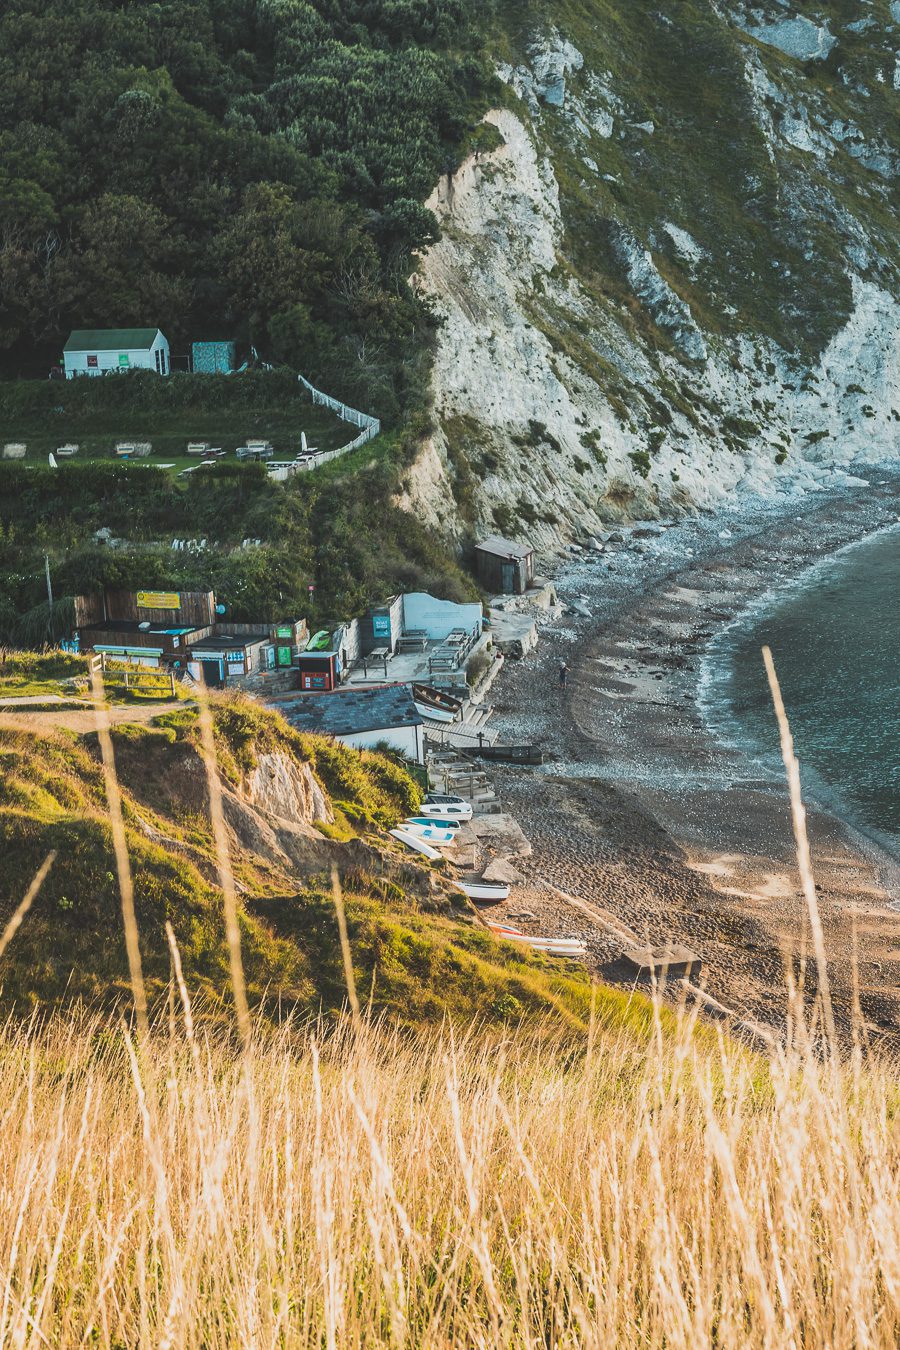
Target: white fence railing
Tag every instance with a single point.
(370, 427)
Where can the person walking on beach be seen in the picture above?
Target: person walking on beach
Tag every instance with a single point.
(563, 675)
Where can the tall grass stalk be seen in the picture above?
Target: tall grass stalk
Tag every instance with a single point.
(360, 1188)
(14, 922)
(120, 849)
(223, 857)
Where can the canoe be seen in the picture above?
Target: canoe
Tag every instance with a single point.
(412, 841)
(434, 823)
(484, 890)
(430, 833)
(319, 642)
(516, 935)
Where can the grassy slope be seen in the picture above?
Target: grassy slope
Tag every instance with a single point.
(224, 410)
(413, 958)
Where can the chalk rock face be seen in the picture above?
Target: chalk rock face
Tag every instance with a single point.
(551, 63)
(543, 78)
(670, 312)
(797, 36)
(674, 281)
(288, 790)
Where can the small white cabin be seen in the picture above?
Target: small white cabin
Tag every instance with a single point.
(97, 351)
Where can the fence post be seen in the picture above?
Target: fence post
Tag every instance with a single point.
(172, 682)
(126, 679)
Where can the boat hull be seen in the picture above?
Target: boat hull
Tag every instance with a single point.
(482, 890)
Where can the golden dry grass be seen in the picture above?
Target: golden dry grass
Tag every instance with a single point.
(347, 1185)
(357, 1189)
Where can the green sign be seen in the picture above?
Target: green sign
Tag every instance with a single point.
(123, 360)
(284, 656)
(284, 630)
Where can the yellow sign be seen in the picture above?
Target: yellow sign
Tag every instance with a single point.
(158, 600)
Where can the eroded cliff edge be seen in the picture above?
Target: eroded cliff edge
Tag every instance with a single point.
(668, 276)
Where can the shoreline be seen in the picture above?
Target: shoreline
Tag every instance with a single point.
(644, 811)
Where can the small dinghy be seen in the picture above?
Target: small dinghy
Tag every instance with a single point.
(430, 833)
(412, 841)
(484, 890)
(454, 808)
(434, 822)
(433, 713)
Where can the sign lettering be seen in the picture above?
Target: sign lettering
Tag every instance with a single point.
(158, 600)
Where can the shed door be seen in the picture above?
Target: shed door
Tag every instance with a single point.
(508, 575)
(211, 672)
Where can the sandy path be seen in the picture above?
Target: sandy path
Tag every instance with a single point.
(73, 719)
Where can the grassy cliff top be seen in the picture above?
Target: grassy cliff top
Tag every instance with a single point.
(419, 955)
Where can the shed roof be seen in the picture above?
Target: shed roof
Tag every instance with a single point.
(111, 339)
(345, 712)
(503, 548)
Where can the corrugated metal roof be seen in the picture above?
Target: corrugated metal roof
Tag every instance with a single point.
(345, 712)
(503, 548)
(111, 339)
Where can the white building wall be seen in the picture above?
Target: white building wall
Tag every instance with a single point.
(437, 618)
(408, 740)
(77, 363)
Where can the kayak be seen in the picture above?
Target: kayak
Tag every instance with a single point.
(412, 841)
(319, 642)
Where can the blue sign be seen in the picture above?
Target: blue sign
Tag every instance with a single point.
(381, 625)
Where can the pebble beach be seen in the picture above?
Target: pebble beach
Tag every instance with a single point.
(644, 826)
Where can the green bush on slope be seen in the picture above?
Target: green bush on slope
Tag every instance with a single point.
(414, 957)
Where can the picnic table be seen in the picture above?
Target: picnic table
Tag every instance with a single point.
(378, 655)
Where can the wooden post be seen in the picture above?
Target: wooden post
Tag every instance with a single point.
(126, 679)
(172, 682)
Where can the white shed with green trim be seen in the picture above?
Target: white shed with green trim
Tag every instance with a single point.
(97, 351)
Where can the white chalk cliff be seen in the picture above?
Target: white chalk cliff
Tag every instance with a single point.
(624, 334)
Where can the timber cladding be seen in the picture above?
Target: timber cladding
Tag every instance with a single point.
(195, 609)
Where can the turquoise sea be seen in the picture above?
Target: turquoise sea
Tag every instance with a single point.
(835, 637)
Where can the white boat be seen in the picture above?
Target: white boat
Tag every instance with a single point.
(412, 841)
(484, 890)
(434, 714)
(571, 947)
(435, 823)
(455, 810)
(430, 833)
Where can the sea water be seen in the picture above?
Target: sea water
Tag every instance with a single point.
(835, 637)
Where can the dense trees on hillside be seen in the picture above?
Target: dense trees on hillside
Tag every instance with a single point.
(247, 168)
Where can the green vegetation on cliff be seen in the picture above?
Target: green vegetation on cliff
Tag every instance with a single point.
(336, 528)
(418, 954)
